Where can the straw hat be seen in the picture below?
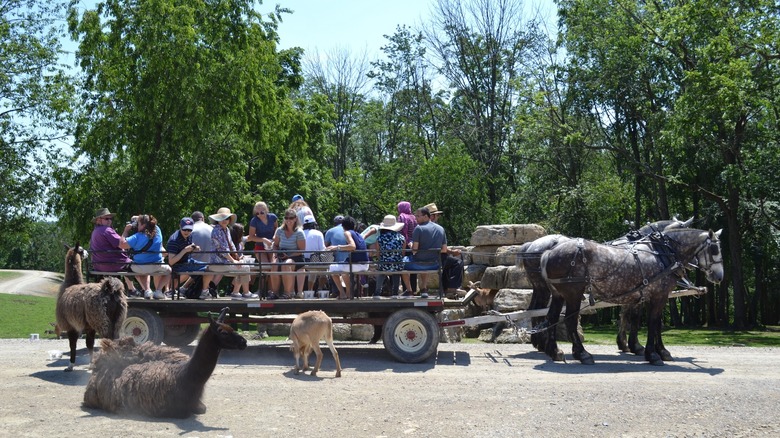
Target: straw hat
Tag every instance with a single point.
(222, 214)
(433, 209)
(389, 223)
(101, 212)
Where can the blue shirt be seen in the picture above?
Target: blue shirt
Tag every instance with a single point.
(360, 255)
(335, 236)
(152, 255)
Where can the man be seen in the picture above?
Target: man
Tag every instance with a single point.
(201, 236)
(429, 242)
(104, 246)
(180, 249)
(451, 262)
(335, 237)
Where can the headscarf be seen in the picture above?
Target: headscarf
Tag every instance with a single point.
(410, 222)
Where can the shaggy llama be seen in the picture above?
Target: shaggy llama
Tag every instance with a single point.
(156, 380)
(306, 331)
(88, 307)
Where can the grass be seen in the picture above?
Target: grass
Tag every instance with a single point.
(7, 275)
(770, 337)
(22, 315)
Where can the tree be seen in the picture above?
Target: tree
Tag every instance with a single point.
(182, 101)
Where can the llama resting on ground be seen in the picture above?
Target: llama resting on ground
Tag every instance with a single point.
(306, 331)
(155, 380)
(88, 307)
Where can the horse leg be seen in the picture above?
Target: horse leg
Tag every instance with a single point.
(551, 346)
(577, 349)
(622, 344)
(539, 300)
(635, 321)
(73, 337)
(660, 348)
(654, 331)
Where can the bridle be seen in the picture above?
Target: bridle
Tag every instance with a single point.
(709, 250)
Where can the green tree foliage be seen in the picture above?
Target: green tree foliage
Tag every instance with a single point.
(186, 106)
(35, 100)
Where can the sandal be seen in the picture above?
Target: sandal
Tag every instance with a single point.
(285, 296)
(271, 296)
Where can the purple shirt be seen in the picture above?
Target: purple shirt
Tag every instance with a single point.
(106, 254)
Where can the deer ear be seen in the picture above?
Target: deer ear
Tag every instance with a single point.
(67, 248)
(224, 312)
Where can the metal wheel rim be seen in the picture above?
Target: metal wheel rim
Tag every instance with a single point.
(136, 328)
(410, 335)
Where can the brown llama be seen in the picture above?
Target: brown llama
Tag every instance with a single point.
(88, 307)
(306, 331)
(155, 380)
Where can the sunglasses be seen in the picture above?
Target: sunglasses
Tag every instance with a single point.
(260, 212)
(186, 231)
(107, 218)
(291, 218)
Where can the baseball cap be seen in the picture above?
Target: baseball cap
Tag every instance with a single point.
(338, 219)
(297, 198)
(186, 223)
(309, 219)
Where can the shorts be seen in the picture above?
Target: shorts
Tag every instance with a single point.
(300, 263)
(150, 269)
(190, 266)
(344, 267)
(427, 265)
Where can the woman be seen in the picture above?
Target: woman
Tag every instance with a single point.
(225, 257)
(358, 257)
(148, 256)
(391, 245)
(261, 231)
(291, 242)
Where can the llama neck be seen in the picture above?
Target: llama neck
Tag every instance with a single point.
(73, 271)
(204, 359)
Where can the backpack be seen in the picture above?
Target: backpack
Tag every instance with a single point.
(193, 290)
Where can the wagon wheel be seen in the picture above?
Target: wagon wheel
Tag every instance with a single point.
(180, 335)
(142, 325)
(411, 335)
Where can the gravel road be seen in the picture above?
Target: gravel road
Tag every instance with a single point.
(467, 390)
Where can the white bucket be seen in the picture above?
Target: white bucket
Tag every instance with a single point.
(308, 294)
(34, 337)
(322, 293)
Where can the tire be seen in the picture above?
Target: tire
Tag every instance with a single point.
(143, 325)
(411, 335)
(180, 335)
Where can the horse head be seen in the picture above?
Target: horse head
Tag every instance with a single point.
(709, 258)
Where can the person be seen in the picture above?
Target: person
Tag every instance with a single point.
(148, 257)
(104, 246)
(391, 245)
(180, 251)
(428, 241)
(410, 223)
(315, 244)
(290, 240)
(358, 258)
(239, 241)
(335, 236)
(201, 236)
(451, 261)
(261, 231)
(225, 256)
(370, 234)
(301, 208)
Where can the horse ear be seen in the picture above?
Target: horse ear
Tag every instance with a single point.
(687, 223)
(717, 233)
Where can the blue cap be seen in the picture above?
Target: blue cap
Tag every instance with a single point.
(297, 198)
(186, 223)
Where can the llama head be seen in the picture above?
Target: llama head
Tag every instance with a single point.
(226, 337)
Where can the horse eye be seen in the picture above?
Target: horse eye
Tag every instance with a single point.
(714, 250)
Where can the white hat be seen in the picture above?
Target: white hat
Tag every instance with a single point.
(389, 223)
(222, 214)
(309, 219)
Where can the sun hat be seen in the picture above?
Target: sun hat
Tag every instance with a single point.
(338, 219)
(389, 223)
(433, 209)
(309, 219)
(100, 212)
(186, 223)
(297, 198)
(222, 214)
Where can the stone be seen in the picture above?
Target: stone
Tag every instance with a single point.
(507, 255)
(511, 300)
(472, 274)
(509, 234)
(516, 278)
(494, 277)
(484, 254)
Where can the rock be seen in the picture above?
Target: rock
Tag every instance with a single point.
(511, 234)
(484, 254)
(472, 274)
(494, 277)
(507, 255)
(516, 278)
(451, 334)
(510, 300)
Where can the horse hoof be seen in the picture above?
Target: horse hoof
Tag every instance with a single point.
(665, 355)
(654, 359)
(68, 369)
(639, 351)
(558, 357)
(584, 357)
(657, 362)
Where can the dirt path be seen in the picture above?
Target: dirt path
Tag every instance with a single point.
(467, 390)
(38, 283)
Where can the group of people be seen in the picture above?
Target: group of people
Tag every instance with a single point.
(408, 242)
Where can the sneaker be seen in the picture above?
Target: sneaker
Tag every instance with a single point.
(148, 294)
(251, 296)
(377, 297)
(272, 296)
(285, 296)
(407, 294)
(169, 295)
(205, 295)
(136, 293)
(158, 295)
(424, 295)
(236, 296)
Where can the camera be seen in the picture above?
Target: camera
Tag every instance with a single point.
(133, 222)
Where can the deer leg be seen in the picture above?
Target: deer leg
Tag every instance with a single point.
(73, 337)
(335, 356)
(316, 347)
